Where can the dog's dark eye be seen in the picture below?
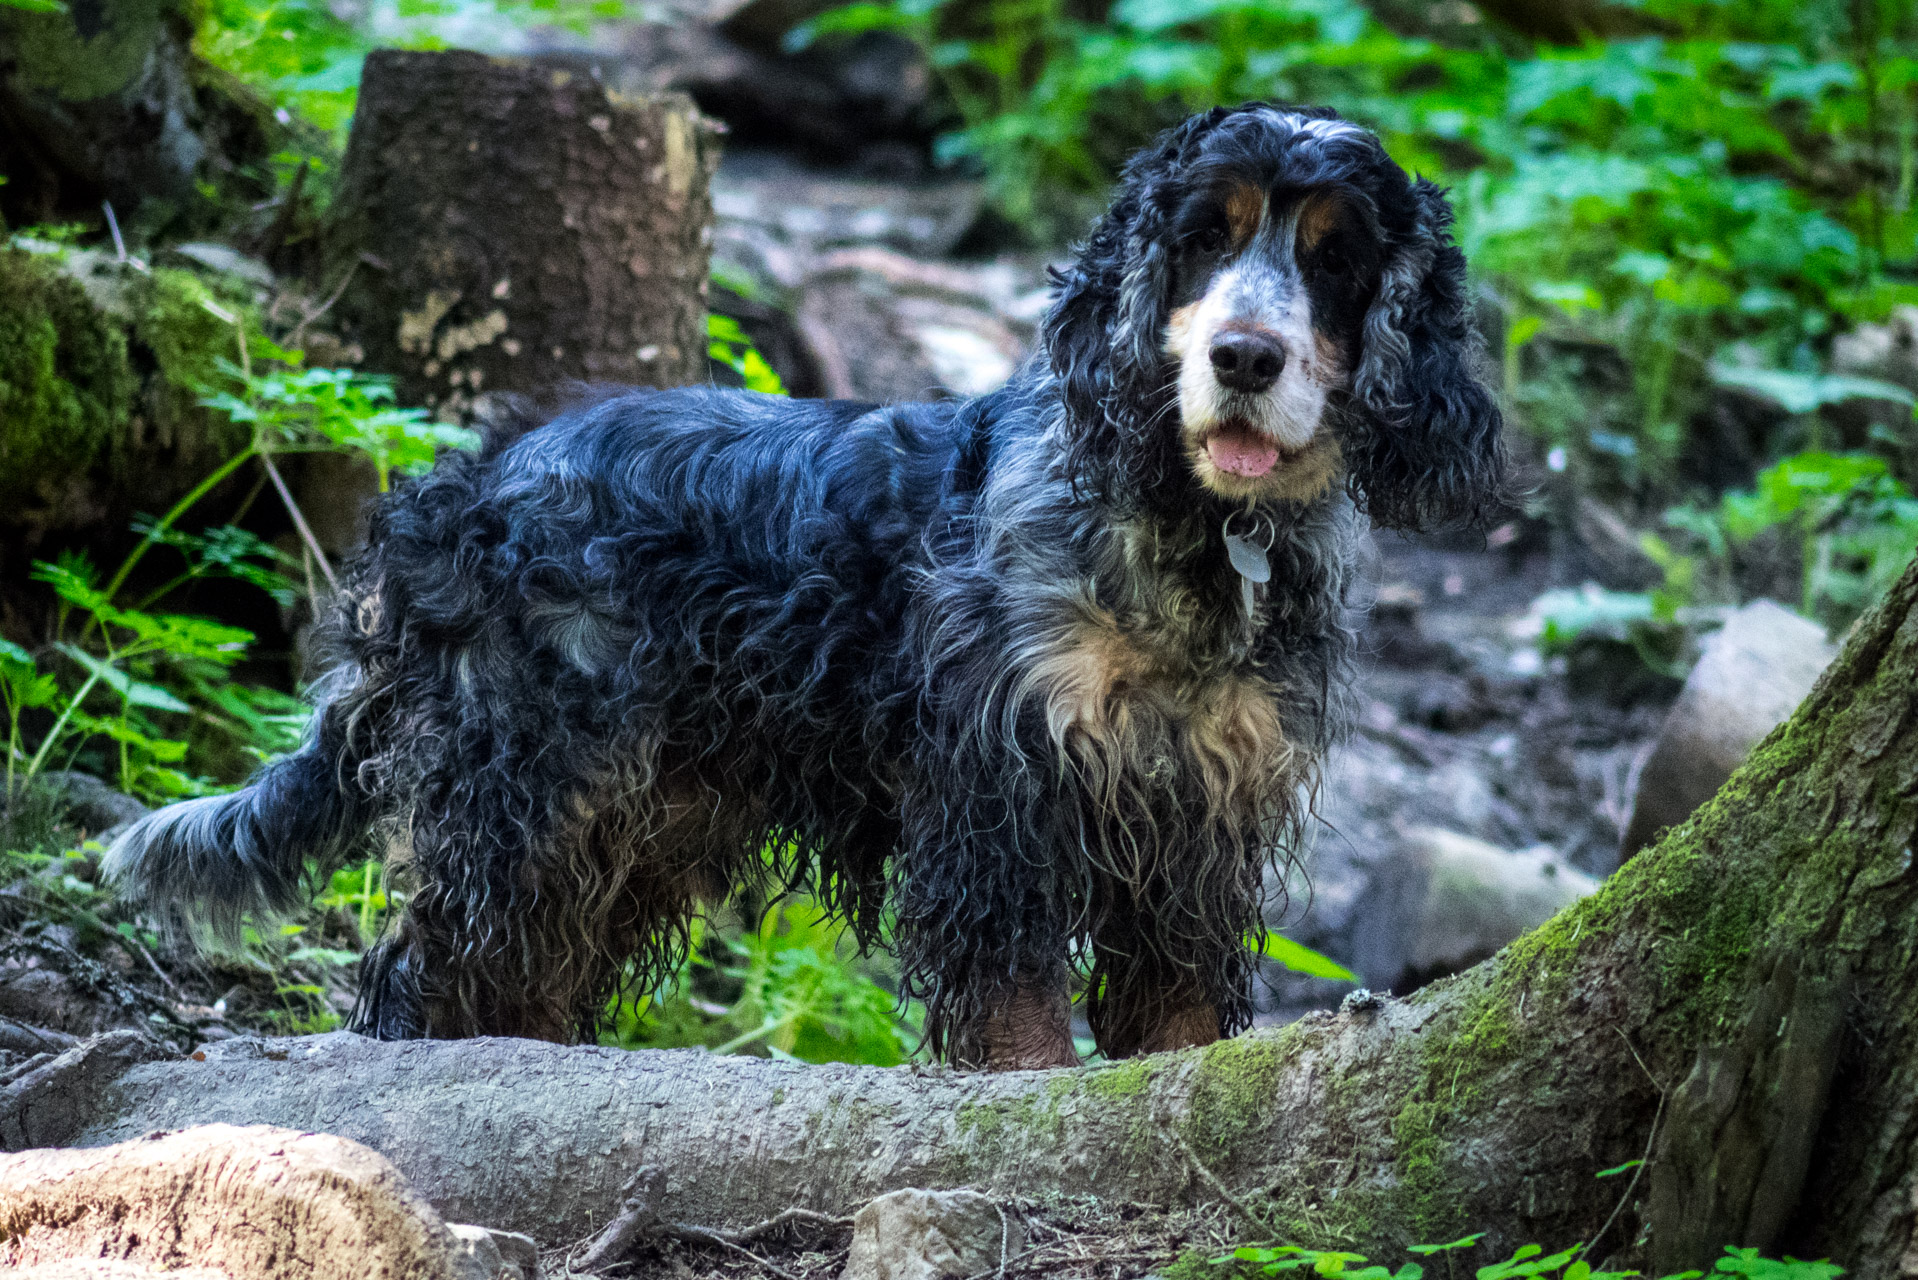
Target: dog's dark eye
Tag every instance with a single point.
(1334, 263)
(1211, 237)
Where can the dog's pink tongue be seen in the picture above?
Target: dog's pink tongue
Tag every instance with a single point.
(1241, 452)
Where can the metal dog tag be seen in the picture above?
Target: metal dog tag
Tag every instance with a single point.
(1248, 558)
(1250, 562)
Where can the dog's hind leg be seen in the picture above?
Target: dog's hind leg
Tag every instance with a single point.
(601, 900)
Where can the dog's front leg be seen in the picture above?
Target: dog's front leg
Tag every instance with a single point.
(1156, 993)
(1029, 1029)
(1179, 1022)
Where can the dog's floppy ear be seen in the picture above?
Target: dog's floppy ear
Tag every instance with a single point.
(1103, 333)
(1424, 440)
(1078, 339)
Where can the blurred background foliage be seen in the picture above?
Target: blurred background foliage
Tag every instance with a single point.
(1675, 209)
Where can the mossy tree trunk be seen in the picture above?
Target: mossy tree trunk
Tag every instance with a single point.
(515, 227)
(1739, 1003)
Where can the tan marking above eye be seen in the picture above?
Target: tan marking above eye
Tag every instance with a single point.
(1244, 207)
(1318, 216)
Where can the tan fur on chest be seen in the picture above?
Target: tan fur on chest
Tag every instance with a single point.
(1125, 716)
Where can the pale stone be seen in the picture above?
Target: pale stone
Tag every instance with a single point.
(930, 1235)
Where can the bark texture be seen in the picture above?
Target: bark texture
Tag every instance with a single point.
(515, 227)
(1738, 1003)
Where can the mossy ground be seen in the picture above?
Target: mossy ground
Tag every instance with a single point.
(65, 381)
(102, 369)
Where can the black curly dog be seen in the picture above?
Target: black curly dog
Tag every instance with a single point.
(1045, 674)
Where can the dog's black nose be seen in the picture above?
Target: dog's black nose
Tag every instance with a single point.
(1247, 361)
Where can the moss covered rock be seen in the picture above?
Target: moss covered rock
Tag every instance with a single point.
(102, 367)
(109, 99)
(65, 386)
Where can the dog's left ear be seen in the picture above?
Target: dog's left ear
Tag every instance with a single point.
(1424, 441)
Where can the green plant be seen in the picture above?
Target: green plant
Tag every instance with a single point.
(1848, 523)
(1300, 958)
(133, 647)
(144, 683)
(1529, 1262)
(791, 987)
(730, 345)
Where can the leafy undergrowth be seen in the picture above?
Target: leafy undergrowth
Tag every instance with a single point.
(792, 986)
(1091, 1238)
(1529, 1262)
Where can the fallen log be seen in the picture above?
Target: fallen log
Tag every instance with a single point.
(1736, 1008)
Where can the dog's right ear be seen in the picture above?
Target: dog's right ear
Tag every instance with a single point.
(1078, 337)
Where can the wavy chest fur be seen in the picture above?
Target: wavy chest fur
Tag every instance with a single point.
(1121, 708)
(1132, 647)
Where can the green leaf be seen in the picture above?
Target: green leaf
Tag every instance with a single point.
(1618, 1169)
(1463, 1242)
(1806, 392)
(138, 692)
(1300, 958)
(732, 346)
(1748, 1263)
(1560, 617)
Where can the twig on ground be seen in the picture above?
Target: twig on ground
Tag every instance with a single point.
(635, 1220)
(1005, 1262)
(1643, 1161)
(699, 1235)
(154, 965)
(811, 1217)
(638, 1221)
(1210, 1178)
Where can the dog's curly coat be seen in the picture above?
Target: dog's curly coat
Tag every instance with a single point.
(984, 663)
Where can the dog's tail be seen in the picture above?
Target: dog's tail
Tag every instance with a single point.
(214, 860)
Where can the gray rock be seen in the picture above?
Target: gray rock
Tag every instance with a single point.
(495, 1255)
(885, 327)
(90, 803)
(926, 1235)
(1887, 351)
(813, 210)
(1471, 897)
(1750, 676)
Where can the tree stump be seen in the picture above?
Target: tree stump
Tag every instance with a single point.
(510, 226)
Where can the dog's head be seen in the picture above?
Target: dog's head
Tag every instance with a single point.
(1271, 303)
